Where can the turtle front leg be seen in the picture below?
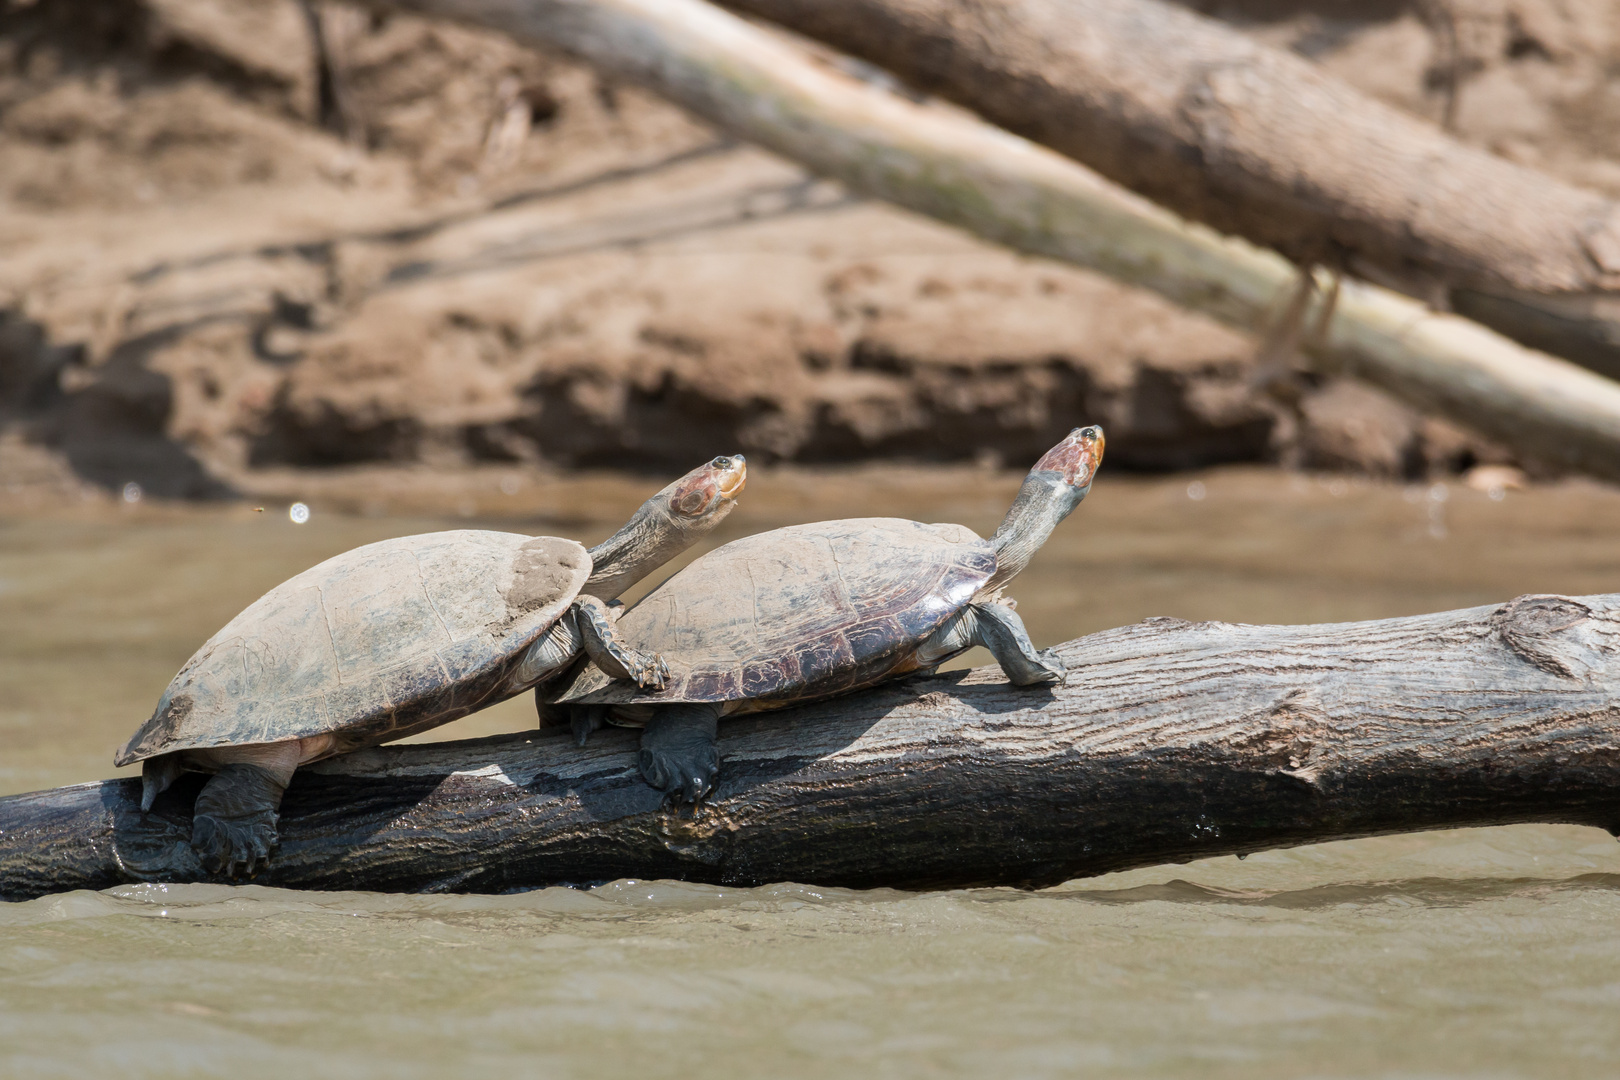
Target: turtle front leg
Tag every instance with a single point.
(998, 628)
(608, 651)
(556, 649)
(234, 822)
(584, 719)
(157, 775)
(678, 752)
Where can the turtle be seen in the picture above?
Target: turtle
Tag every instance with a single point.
(812, 611)
(396, 637)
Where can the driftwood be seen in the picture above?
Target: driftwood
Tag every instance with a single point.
(1171, 741)
(1258, 142)
(765, 88)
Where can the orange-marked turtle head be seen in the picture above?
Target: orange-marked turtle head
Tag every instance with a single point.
(706, 494)
(1075, 458)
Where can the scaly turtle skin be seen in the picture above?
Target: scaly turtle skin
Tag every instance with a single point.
(807, 612)
(396, 637)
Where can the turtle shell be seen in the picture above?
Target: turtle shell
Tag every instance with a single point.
(797, 614)
(372, 645)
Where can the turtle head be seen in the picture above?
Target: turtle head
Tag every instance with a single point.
(1053, 488)
(667, 524)
(1073, 462)
(703, 497)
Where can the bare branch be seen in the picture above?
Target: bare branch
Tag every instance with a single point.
(765, 88)
(1261, 143)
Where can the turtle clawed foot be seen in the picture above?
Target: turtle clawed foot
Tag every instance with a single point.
(675, 802)
(678, 752)
(649, 670)
(233, 848)
(682, 777)
(1055, 671)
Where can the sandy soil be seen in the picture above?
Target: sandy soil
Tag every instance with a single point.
(248, 237)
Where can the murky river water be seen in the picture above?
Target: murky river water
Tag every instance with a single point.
(1479, 952)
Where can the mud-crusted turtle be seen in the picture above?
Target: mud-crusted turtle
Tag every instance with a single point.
(394, 638)
(811, 611)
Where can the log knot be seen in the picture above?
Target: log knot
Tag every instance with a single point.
(1537, 628)
(1165, 622)
(1601, 240)
(1211, 97)
(703, 836)
(1288, 738)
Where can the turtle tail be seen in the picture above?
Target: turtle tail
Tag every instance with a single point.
(157, 773)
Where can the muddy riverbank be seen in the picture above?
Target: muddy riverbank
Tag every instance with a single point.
(240, 239)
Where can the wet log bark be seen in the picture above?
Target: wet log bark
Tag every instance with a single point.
(1171, 741)
(768, 89)
(1258, 142)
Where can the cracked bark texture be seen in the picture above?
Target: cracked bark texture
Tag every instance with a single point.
(1171, 741)
(1260, 143)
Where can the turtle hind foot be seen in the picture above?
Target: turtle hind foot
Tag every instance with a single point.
(681, 778)
(678, 753)
(233, 849)
(233, 829)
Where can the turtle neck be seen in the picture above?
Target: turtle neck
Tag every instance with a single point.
(1043, 502)
(647, 541)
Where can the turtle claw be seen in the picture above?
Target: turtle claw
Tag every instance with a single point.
(680, 799)
(602, 643)
(680, 778)
(1057, 671)
(223, 845)
(697, 786)
(235, 820)
(678, 754)
(651, 672)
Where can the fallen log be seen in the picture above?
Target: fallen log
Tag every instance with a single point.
(1261, 143)
(1171, 741)
(767, 89)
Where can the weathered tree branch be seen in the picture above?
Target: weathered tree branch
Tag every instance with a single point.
(764, 88)
(1261, 143)
(1171, 741)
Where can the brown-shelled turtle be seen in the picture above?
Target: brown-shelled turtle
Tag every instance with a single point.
(394, 638)
(808, 612)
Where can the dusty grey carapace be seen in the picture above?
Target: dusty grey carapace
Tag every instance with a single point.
(394, 638)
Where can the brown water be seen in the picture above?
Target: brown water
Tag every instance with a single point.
(1478, 952)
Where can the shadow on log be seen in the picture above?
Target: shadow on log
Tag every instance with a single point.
(1171, 741)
